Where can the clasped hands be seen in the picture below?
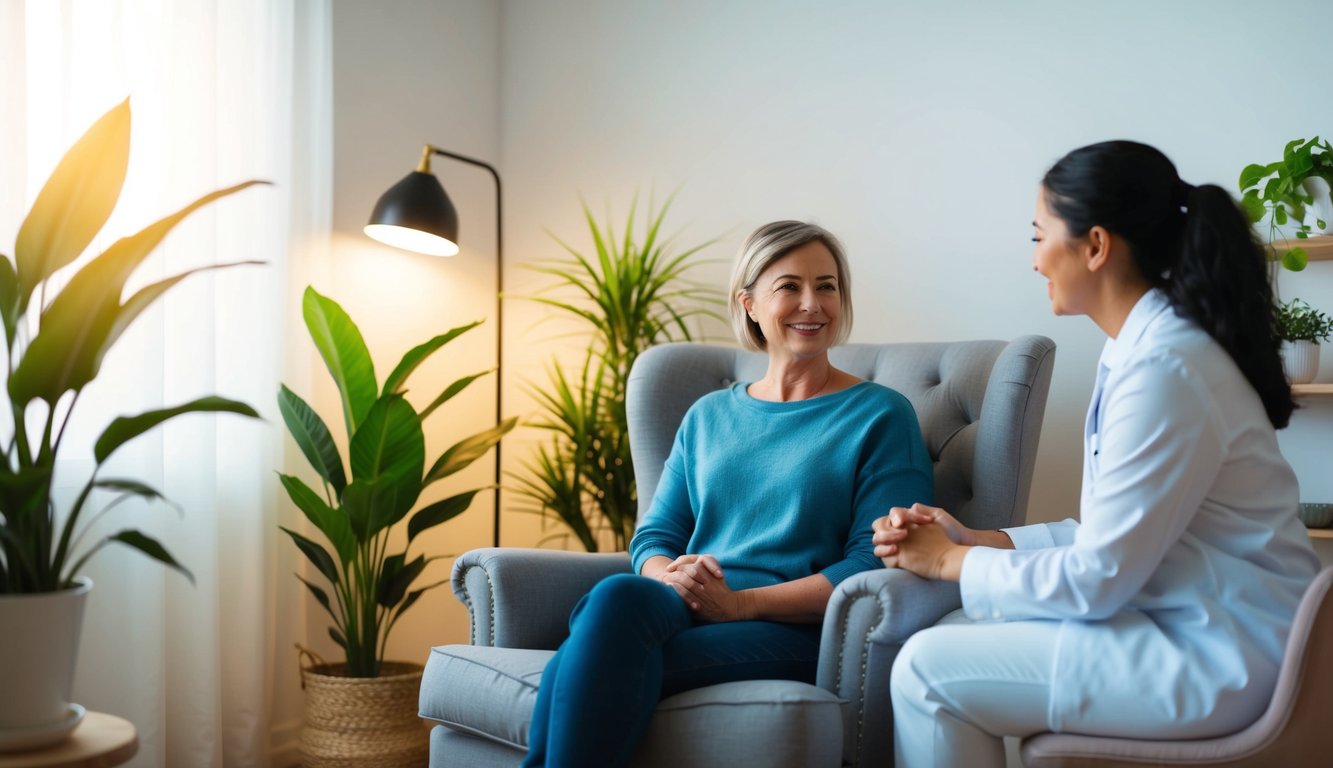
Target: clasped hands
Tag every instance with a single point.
(699, 581)
(924, 540)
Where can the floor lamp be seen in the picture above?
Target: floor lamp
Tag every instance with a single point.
(417, 215)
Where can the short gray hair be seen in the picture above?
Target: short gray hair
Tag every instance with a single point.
(763, 247)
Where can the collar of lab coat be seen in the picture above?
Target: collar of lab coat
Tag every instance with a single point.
(1148, 307)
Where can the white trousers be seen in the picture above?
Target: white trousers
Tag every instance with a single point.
(960, 687)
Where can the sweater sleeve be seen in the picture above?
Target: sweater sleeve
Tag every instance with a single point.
(667, 527)
(894, 470)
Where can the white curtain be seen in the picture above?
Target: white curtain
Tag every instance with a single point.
(221, 91)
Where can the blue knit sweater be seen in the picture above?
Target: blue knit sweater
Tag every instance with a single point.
(779, 491)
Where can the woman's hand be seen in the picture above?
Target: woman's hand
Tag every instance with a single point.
(699, 581)
(924, 540)
(711, 599)
(893, 527)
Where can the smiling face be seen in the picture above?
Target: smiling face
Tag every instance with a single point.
(1058, 258)
(796, 302)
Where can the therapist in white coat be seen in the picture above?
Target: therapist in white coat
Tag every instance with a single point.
(1164, 614)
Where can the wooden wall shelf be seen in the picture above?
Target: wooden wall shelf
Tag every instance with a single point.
(1312, 389)
(1320, 533)
(1319, 248)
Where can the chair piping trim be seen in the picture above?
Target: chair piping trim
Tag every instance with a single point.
(469, 603)
(861, 687)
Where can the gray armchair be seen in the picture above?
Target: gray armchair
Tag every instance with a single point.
(980, 404)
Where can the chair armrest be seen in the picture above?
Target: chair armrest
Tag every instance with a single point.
(868, 619)
(522, 598)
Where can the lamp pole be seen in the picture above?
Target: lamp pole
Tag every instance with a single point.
(416, 214)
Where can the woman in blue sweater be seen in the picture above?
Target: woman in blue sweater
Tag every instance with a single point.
(764, 506)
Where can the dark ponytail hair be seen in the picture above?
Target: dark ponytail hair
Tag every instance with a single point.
(1192, 242)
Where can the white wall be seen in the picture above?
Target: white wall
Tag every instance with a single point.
(917, 132)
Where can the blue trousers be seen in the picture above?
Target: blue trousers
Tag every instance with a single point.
(632, 642)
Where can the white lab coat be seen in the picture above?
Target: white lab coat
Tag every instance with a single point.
(1175, 594)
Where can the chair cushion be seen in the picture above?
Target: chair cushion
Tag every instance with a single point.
(723, 725)
(481, 690)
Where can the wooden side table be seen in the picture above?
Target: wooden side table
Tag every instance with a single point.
(100, 741)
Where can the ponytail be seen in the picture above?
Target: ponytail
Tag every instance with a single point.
(1220, 281)
(1194, 243)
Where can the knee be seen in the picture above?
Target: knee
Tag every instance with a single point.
(621, 594)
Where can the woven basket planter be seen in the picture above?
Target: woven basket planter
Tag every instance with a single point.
(363, 722)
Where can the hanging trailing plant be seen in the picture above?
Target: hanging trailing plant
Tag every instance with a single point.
(1279, 190)
(632, 292)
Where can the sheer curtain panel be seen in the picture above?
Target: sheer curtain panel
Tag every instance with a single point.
(221, 91)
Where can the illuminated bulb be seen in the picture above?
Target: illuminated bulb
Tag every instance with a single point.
(411, 239)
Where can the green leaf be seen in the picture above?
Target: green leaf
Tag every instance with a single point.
(1290, 149)
(331, 522)
(127, 428)
(81, 322)
(1295, 259)
(125, 485)
(315, 554)
(418, 354)
(437, 513)
(9, 299)
(313, 438)
(415, 595)
(373, 506)
(388, 454)
(395, 581)
(1253, 206)
(1300, 163)
(338, 638)
(151, 547)
(1280, 215)
(450, 391)
(75, 202)
(320, 595)
(144, 298)
(1251, 175)
(468, 450)
(344, 351)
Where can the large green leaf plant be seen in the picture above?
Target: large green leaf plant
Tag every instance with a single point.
(631, 292)
(357, 511)
(59, 326)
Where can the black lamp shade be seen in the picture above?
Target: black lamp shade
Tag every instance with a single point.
(416, 214)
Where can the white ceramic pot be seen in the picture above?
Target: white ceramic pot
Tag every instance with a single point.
(1300, 360)
(39, 644)
(1322, 207)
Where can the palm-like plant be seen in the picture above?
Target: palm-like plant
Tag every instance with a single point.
(56, 338)
(371, 587)
(632, 294)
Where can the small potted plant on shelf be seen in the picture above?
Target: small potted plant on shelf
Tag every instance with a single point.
(363, 711)
(1293, 191)
(59, 325)
(1302, 327)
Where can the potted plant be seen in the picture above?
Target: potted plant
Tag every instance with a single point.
(59, 325)
(630, 294)
(363, 710)
(1291, 191)
(1302, 327)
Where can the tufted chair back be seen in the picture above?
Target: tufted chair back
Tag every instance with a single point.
(969, 396)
